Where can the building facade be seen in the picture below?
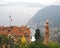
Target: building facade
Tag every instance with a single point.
(17, 32)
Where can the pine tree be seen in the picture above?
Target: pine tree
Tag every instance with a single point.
(37, 34)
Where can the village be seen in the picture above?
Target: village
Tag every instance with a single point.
(20, 37)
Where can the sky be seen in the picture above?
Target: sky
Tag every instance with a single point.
(45, 2)
(20, 14)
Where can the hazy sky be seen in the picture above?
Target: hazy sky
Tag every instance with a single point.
(45, 2)
(20, 14)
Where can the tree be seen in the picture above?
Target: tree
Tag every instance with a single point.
(1, 42)
(37, 34)
(6, 41)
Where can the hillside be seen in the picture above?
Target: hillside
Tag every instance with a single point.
(51, 13)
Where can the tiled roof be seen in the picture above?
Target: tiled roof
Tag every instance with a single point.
(16, 31)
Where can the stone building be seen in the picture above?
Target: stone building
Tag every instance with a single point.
(16, 31)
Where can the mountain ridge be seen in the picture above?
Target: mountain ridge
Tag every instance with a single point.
(50, 13)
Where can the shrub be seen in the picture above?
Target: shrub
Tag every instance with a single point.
(17, 45)
(53, 45)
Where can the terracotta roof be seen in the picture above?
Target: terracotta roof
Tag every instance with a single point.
(17, 31)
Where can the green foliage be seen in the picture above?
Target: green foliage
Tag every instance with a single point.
(1, 38)
(5, 40)
(32, 45)
(41, 45)
(19, 40)
(53, 45)
(36, 44)
(37, 34)
(23, 45)
(17, 45)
